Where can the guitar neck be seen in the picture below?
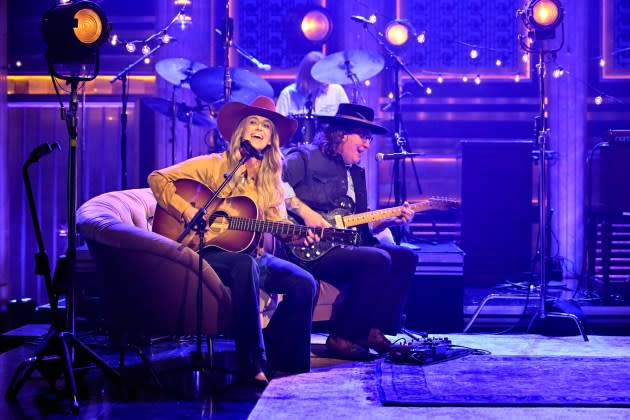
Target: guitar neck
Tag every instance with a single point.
(372, 216)
(262, 226)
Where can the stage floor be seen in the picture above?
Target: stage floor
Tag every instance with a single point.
(218, 396)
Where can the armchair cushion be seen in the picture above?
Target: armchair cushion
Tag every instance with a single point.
(150, 280)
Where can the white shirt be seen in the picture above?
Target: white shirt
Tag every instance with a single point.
(290, 102)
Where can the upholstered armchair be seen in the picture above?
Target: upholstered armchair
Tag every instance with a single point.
(150, 281)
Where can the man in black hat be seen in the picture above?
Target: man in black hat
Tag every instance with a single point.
(322, 177)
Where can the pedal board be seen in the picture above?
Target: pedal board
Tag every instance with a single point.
(428, 350)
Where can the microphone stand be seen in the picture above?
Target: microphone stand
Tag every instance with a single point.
(247, 55)
(227, 42)
(399, 137)
(58, 342)
(122, 76)
(198, 225)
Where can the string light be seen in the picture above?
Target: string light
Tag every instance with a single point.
(156, 40)
(429, 90)
(517, 78)
(184, 20)
(558, 72)
(598, 100)
(478, 79)
(474, 54)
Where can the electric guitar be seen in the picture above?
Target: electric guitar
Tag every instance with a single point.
(342, 217)
(233, 223)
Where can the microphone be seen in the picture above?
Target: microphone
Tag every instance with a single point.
(251, 58)
(388, 107)
(42, 150)
(250, 151)
(261, 66)
(395, 156)
(361, 19)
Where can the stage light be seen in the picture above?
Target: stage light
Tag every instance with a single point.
(542, 17)
(316, 25)
(73, 33)
(398, 32)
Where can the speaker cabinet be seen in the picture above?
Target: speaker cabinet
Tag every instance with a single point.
(496, 210)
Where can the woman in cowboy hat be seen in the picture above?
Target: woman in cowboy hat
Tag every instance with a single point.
(259, 178)
(318, 179)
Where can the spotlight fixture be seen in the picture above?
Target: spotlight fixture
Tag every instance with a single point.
(398, 33)
(316, 25)
(542, 17)
(73, 33)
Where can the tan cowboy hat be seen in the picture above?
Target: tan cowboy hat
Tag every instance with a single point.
(233, 112)
(353, 116)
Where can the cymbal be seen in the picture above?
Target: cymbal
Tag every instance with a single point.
(334, 68)
(208, 84)
(177, 71)
(184, 112)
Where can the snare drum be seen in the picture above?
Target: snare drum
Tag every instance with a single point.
(307, 127)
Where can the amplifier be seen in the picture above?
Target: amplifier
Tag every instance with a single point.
(436, 298)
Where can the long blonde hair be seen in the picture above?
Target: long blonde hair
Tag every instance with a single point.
(269, 177)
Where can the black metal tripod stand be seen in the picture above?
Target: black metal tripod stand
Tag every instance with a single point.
(59, 342)
(542, 140)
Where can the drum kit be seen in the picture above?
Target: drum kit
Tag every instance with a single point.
(343, 68)
(208, 85)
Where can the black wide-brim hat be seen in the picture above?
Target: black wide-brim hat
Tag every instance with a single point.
(354, 116)
(233, 112)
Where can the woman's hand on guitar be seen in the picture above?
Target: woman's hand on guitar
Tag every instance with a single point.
(188, 214)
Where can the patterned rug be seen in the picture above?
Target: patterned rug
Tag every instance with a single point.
(524, 381)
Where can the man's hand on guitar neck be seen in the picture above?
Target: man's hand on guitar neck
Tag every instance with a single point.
(405, 216)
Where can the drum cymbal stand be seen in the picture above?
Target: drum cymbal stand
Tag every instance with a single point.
(399, 135)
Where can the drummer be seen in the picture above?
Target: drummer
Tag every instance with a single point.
(307, 96)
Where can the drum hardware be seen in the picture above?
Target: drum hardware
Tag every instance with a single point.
(399, 135)
(197, 115)
(177, 71)
(208, 85)
(348, 67)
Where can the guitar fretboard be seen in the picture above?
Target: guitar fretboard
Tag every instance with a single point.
(254, 225)
(371, 216)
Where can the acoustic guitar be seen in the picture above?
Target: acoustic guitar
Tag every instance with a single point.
(342, 217)
(234, 223)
